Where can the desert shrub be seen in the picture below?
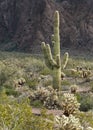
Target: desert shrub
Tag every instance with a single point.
(31, 82)
(45, 71)
(91, 85)
(12, 92)
(6, 86)
(37, 104)
(46, 81)
(3, 77)
(65, 88)
(86, 101)
(33, 64)
(15, 115)
(86, 119)
(65, 82)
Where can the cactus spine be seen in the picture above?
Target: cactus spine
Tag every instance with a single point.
(53, 61)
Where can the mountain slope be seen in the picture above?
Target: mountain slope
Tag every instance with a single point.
(24, 24)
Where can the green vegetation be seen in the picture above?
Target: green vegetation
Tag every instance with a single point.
(14, 103)
(25, 82)
(17, 115)
(86, 101)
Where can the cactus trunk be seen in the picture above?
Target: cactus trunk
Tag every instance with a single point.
(56, 53)
(56, 74)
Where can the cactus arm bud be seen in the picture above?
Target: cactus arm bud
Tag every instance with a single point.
(52, 39)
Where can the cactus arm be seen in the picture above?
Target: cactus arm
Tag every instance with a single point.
(48, 55)
(65, 60)
(58, 61)
(45, 55)
(50, 58)
(44, 50)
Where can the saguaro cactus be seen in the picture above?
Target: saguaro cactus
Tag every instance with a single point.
(53, 60)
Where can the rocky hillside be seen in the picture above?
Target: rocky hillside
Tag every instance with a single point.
(25, 23)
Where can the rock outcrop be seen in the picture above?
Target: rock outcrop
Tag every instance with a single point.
(24, 24)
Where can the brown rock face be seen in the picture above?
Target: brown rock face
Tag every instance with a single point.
(24, 24)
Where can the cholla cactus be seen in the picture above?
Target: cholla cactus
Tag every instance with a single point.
(73, 88)
(51, 102)
(89, 128)
(19, 82)
(49, 97)
(69, 104)
(41, 93)
(68, 123)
